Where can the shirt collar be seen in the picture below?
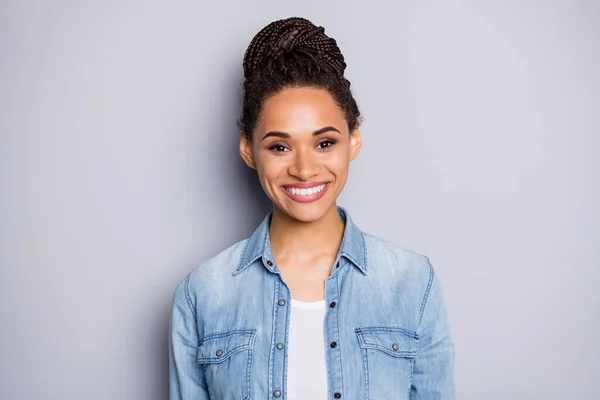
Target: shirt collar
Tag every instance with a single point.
(259, 246)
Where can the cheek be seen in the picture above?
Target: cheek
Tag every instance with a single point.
(268, 167)
(338, 162)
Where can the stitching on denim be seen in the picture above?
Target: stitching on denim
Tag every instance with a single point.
(363, 343)
(225, 356)
(239, 266)
(412, 368)
(364, 250)
(366, 367)
(274, 335)
(426, 296)
(365, 351)
(216, 335)
(363, 267)
(248, 377)
(365, 361)
(247, 333)
(395, 354)
(405, 331)
(248, 381)
(187, 296)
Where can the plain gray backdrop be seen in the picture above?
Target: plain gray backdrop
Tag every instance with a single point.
(120, 173)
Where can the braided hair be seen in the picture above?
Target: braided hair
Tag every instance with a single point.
(293, 52)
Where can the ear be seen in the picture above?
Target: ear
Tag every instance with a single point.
(355, 143)
(246, 151)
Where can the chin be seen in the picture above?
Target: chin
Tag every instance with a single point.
(306, 212)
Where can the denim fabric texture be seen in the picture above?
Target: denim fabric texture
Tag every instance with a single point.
(385, 311)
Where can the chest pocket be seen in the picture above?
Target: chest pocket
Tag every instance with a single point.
(227, 361)
(388, 357)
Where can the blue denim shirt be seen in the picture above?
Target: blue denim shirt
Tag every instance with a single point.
(385, 312)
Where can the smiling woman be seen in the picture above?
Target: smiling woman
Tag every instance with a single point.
(302, 147)
(310, 306)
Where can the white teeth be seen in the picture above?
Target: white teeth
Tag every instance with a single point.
(305, 192)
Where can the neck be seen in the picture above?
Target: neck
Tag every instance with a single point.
(299, 238)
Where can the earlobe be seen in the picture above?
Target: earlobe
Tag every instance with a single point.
(355, 143)
(246, 151)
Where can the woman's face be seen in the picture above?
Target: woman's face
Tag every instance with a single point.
(301, 148)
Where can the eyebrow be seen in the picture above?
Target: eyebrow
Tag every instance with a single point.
(285, 135)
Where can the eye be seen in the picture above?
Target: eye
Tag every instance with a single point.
(326, 143)
(278, 148)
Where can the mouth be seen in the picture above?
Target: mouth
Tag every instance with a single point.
(306, 193)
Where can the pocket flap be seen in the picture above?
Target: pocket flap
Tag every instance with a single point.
(217, 347)
(395, 341)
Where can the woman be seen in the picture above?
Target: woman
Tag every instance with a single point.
(309, 307)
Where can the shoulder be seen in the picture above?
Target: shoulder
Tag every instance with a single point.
(389, 260)
(382, 250)
(214, 271)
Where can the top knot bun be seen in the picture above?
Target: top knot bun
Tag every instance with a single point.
(293, 52)
(291, 38)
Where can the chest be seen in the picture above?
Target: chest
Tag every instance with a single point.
(365, 348)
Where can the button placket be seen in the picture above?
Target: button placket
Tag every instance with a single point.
(334, 364)
(277, 379)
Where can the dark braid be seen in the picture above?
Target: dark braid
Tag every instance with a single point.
(293, 52)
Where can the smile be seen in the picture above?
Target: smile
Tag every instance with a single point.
(305, 191)
(306, 194)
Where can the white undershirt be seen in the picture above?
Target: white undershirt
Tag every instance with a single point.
(307, 373)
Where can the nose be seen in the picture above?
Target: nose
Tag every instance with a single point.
(304, 165)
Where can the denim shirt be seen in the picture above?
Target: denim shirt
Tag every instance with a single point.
(230, 318)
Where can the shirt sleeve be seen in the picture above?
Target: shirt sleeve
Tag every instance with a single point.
(186, 376)
(433, 372)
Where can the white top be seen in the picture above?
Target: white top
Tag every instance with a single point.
(306, 369)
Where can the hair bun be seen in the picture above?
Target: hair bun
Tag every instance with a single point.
(295, 36)
(289, 35)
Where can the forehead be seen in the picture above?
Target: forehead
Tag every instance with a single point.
(301, 109)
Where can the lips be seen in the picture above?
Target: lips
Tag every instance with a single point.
(306, 192)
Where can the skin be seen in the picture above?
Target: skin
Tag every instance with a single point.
(284, 149)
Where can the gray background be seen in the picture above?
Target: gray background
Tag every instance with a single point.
(120, 173)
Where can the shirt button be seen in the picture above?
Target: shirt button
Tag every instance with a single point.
(280, 346)
(337, 266)
(270, 263)
(395, 346)
(332, 304)
(276, 393)
(337, 395)
(332, 345)
(281, 302)
(219, 353)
